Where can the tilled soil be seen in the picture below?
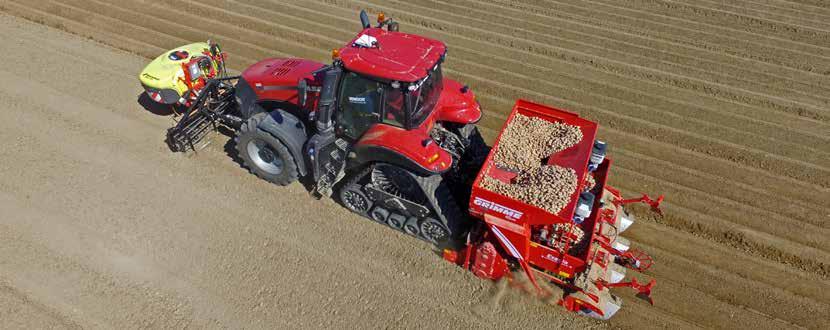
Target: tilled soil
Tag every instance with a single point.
(721, 105)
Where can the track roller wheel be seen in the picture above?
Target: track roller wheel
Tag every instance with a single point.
(396, 221)
(353, 198)
(434, 231)
(411, 226)
(379, 214)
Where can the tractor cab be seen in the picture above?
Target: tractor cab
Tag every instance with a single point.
(382, 77)
(366, 100)
(386, 100)
(385, 95)
(386, 77)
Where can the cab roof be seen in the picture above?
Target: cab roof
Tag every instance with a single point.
(396, 56)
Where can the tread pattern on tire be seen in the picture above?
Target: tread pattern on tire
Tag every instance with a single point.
(290, 172)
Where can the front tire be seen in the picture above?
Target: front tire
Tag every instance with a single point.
(263, 154)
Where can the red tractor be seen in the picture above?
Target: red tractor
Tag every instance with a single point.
(381, 129)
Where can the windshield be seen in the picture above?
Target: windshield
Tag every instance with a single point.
(423, 99)
(364, 101)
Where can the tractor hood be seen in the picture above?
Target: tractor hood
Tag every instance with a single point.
(277, 78)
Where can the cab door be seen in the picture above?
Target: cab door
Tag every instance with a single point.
(359, 105)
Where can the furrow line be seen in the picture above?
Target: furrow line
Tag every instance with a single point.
(720, 286)
(702, 63)
(186, 31)
(813, 4)
(724, 187)
(685, 15)
(771, 16)
(738, 263)
(645, 23)
(773, 57)
(817, 13)
(725, 231)
(712, 106)
(798, 170)
(751, 24)
(61, 23)
(659, 111)
(802, 233)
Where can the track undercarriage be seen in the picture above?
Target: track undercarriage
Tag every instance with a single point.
(426, 207)
(422, 206)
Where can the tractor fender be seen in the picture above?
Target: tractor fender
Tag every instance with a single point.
(365, 154)
(458, 104)
(290, 131)
(246, 99)
(411, 149)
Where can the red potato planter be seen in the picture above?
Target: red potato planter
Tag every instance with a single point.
(583, 254)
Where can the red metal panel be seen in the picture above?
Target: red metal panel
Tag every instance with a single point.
(488, 263)
(397, 56)
(457, 106)
(409, 144)
(553, 261)
(268, 76)
(513, 237)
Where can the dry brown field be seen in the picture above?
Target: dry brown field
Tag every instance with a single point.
(723, 106)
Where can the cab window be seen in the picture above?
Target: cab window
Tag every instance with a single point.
(394, 107)
(360, 101)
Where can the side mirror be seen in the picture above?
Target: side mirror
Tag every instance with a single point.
(393, 27)
(364, 19)
(302, 92)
